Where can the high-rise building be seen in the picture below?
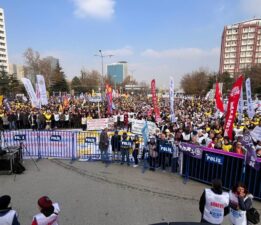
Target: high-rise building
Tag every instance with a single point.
(3, 43)
(18, 70)
(241, 46)
(118, 71)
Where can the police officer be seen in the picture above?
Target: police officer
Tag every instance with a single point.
(126, 145)
(214, 204)
(7, 214)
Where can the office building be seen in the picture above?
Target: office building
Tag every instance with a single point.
(118, 71)
(3, 43)
(240, 46)
(18, 70)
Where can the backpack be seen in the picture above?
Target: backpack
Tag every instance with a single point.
(253, 216)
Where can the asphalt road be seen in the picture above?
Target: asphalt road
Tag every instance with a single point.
(91, 194)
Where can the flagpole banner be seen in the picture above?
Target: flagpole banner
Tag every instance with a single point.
(38, 96)
(218, 98)
(240, 106)
(155, 101)
(232, 106)
(42, 89)
(30, 91)
(250, 105)
(251, 157)
(145, 133)
(171, 98)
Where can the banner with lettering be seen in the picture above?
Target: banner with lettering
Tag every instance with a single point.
(166, 148)
(194, 151)
(42, 89)
(171, 99)
(250, 105)
(155, 101)
(240, 106)
(251, 157)
(232, 107)
(30, 91)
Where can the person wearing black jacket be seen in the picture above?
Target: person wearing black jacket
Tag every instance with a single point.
(214, 204)
(7, 214)
(116, 144)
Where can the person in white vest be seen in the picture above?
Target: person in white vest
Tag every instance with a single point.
(214, 204)
(49, 212)
(239, 201)
(8, 216)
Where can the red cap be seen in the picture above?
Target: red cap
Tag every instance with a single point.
(44, 202)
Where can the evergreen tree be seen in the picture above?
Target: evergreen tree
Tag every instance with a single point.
(58, 81)
(4, 81)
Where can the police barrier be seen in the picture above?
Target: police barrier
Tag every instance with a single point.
(42, 144)
(204, 164)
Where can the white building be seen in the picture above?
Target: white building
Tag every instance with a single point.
(240, 46)
(16, 69)
(3, 43)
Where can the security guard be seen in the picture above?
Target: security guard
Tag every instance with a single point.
(7, 214)
(214, 204)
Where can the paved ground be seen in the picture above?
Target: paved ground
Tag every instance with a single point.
(91, 194)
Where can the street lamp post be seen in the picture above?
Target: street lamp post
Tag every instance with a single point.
(101, 55)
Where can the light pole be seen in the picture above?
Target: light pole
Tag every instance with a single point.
(101, 55)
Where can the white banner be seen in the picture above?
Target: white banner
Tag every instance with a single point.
(240, 106)
(30, 91)
(250, 105)
(171, 99)
(42, 89)
(256, 134)
(99, 124)
(137, 126)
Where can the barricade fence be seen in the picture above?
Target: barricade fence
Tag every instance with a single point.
(195, 162)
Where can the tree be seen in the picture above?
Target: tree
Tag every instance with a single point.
(227, 81)
(195, 83)
(91, 80)
(4, 90)
(77, 85)
(32, 61)
(58, 81)
(14, 85)
(254, 73)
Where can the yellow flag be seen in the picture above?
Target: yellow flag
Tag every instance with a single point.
(1, 100)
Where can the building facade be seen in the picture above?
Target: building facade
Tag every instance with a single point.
(18, 70)
(118, 71)
(3, 43)
(240, 46)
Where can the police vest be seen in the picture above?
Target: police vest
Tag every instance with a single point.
(50, 220)
(8, 218)
(214, 207)
(126, 144)
(236, 216)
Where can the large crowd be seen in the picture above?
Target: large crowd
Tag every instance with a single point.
(197, 120)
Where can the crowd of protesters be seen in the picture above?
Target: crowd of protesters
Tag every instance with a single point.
(197, 120)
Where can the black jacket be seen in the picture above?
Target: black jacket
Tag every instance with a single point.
(115, 142)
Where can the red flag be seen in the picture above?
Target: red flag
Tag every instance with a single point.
(218, 98)
(232, 106)
(155, 101)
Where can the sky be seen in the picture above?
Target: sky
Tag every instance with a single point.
(158, 38)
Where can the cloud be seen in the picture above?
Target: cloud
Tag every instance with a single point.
(182, 53)
(251, 7)
(103, 9)
(126, 51)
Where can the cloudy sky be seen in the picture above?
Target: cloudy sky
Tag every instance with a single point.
(158, 38)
